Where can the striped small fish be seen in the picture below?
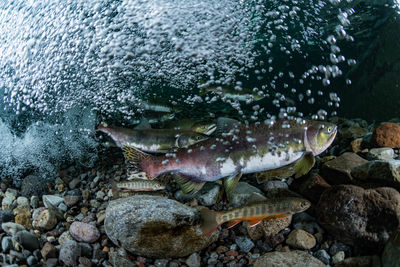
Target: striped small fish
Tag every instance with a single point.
(256, 210)
(139, 185)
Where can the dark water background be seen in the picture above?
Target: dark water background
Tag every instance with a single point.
(67, 66)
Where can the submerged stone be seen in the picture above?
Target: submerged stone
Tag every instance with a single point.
(358, 216)
(378, 170)
(387, 135)
(295, 258)
(153, 226)
(241, 193)
(337, 171)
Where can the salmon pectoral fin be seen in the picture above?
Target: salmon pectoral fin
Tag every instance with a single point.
(188, 184)
(231, 182)
(304, 165)
(233, 223)
(255, 222)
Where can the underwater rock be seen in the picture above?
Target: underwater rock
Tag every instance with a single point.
(267, 228)
(337, 171)
(312, 186)
(23, 216)
(352, 132)
(295, 258)
(27, 240)
(391, 253)
(357, 216)
(5, 216)
(70, 252)
(154, 226)
(46, 220)
(383, 153)
(378, 170)
(206, 196)
(33, 185)
(241, 193)
(84, 232)
(361, 261)
(301, 239)
(119, 257)
(387, 135)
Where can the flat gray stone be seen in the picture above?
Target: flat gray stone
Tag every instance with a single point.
(153, 226)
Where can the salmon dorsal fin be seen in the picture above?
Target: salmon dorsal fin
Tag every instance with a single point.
(255, 197)
(187, 184)
(224, 125)
(143, 124)
(231, 182)
(304, 165)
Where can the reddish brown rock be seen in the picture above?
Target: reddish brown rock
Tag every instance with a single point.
(313, 186)
(387, 135)
(337, 171)
(357, 216)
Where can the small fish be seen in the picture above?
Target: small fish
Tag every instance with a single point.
(257, 209)
(245, 149)
(139, 185)
(151, 140)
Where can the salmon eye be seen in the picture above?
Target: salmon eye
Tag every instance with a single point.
(198, 137)
(329, 129)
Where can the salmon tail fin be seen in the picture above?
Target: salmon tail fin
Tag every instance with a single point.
(210, 223)
(134, 159)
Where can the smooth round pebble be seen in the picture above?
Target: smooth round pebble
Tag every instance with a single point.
(84, 232)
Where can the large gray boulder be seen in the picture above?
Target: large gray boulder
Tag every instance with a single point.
(154, 226)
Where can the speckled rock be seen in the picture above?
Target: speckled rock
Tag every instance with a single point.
(387, 135)
(209, 194)
(383, 153)
(295, 258)
(338, 257)
(118, 257)
(267, 228)
(391, 253)
(357, 216)
(361, 261)
(64, 237)
(301, 239)
(70, 252)
(46, 220)
(241, 193)
(378, 170)
(337, 171)
(23, 216)
(84, 232)
(154, 226)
